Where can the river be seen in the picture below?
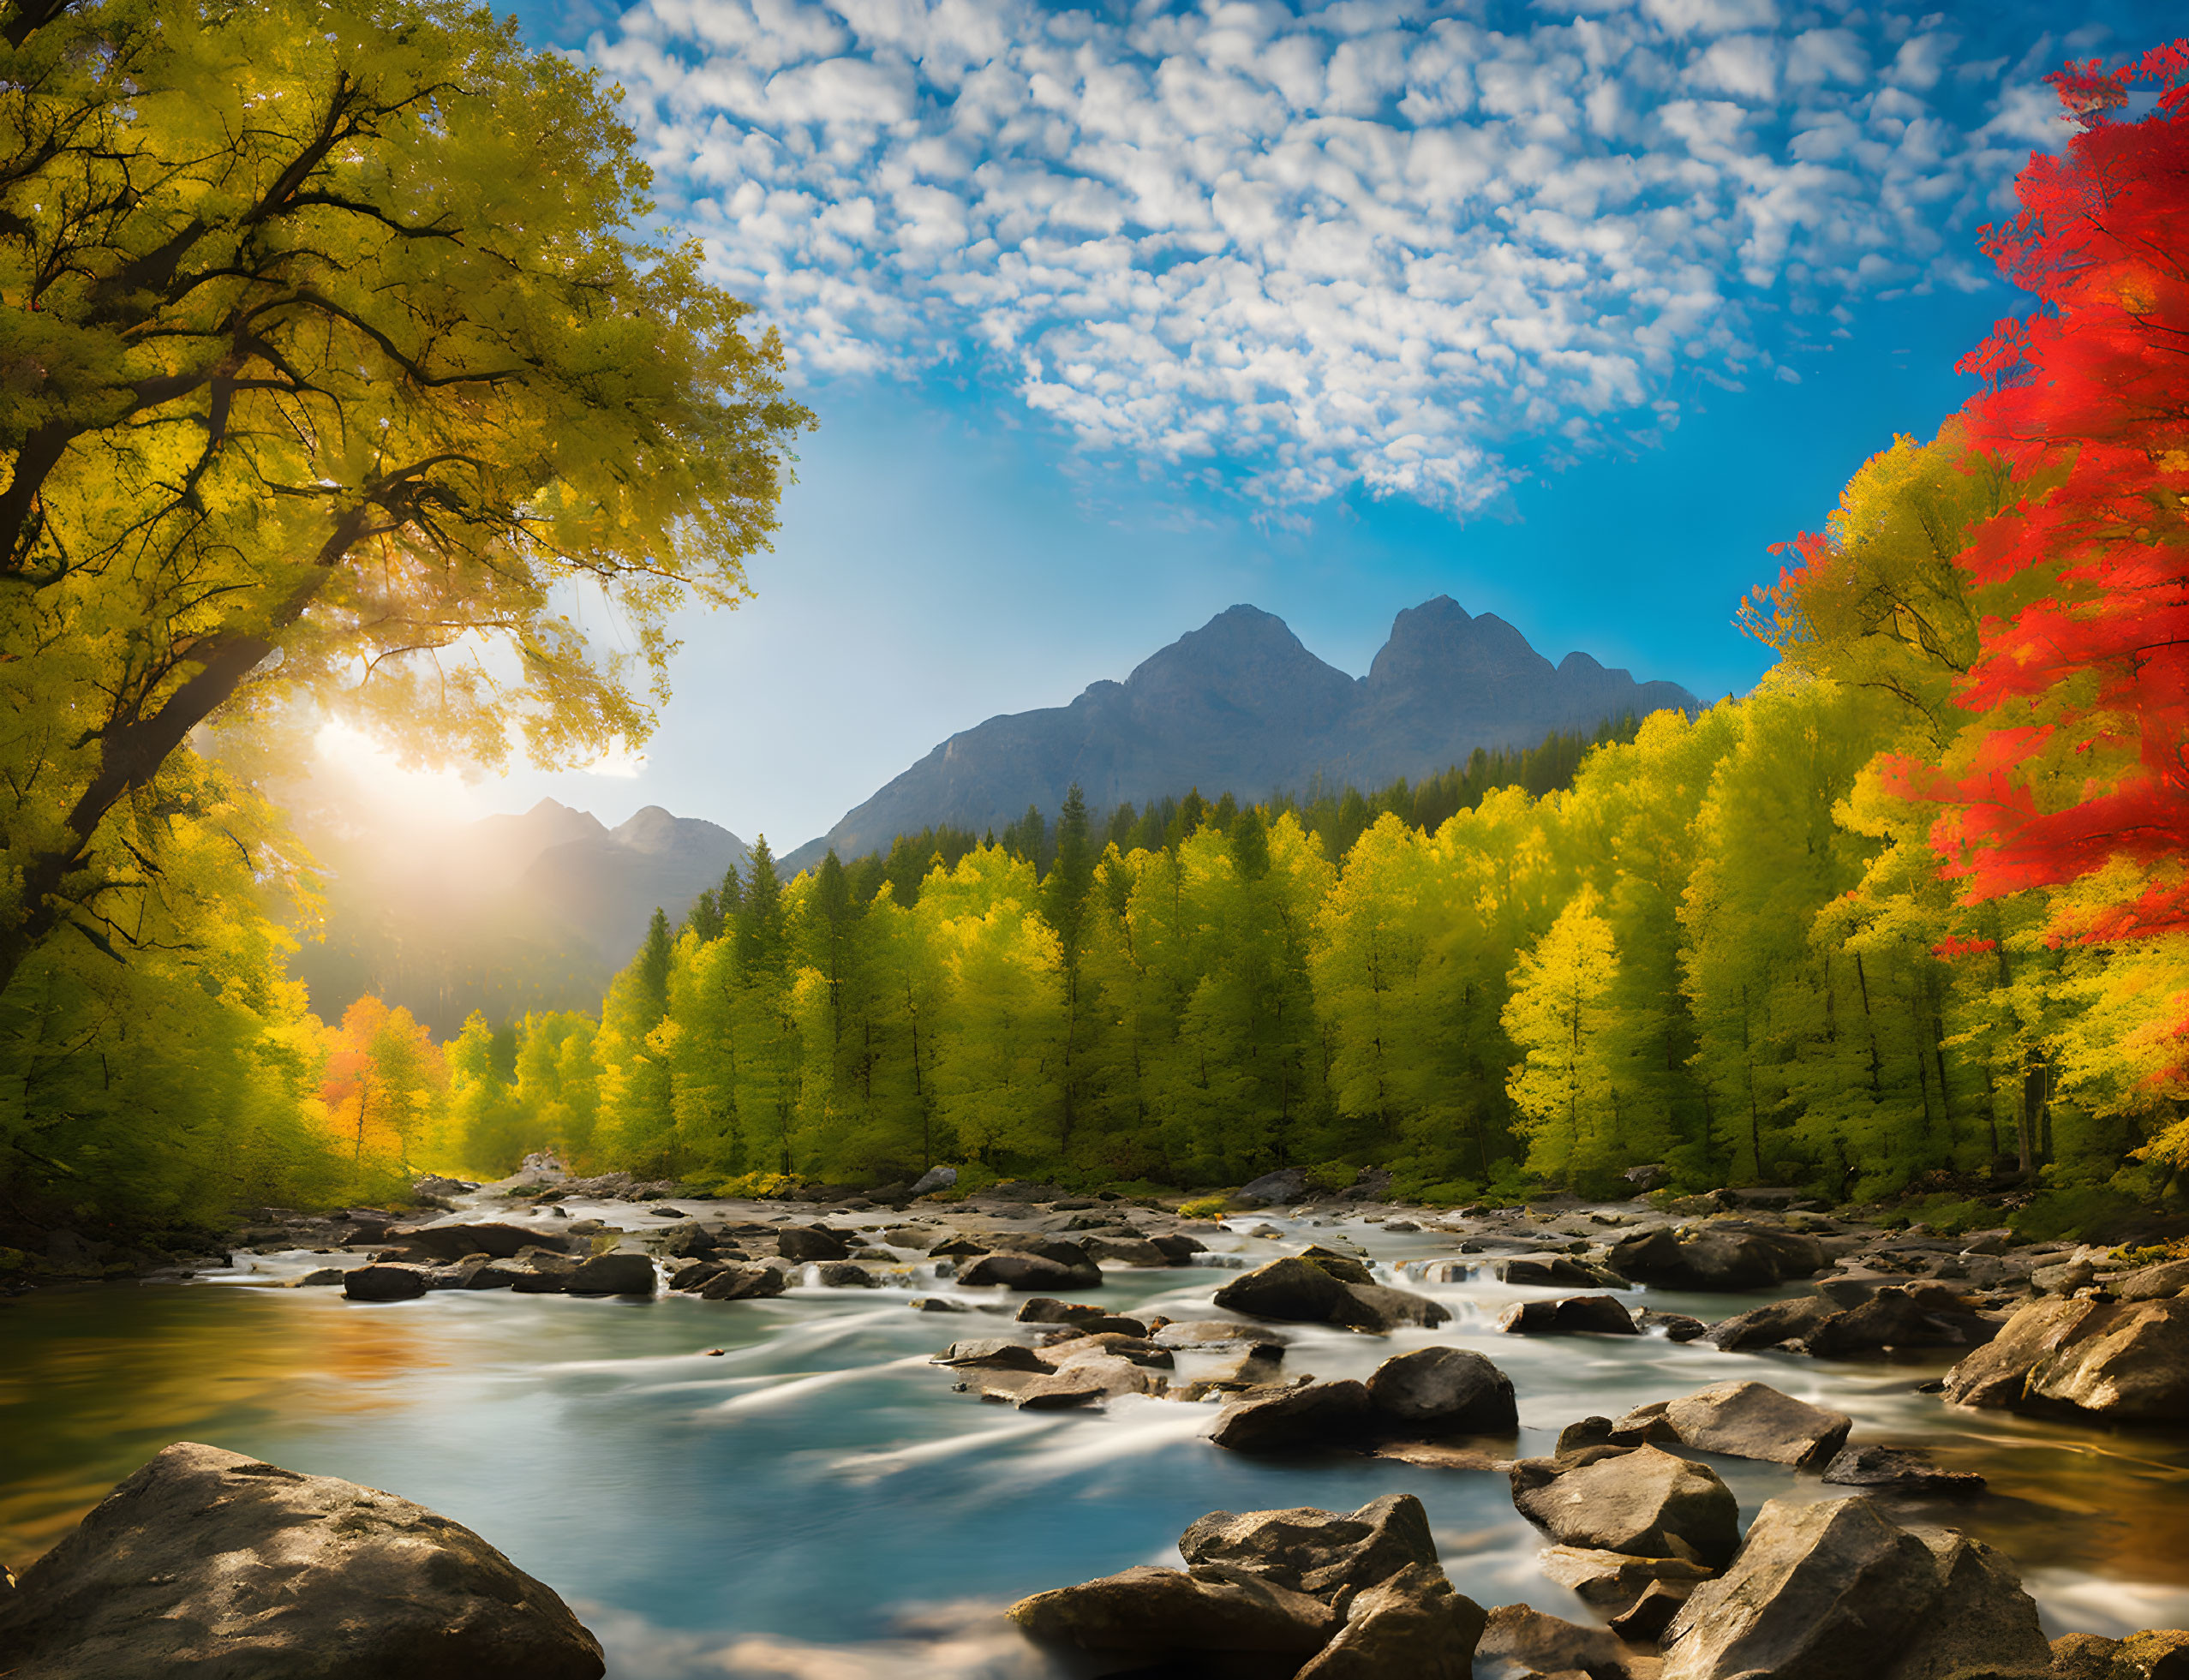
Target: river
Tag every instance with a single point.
(788, 1488)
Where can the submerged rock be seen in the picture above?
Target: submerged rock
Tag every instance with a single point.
(2123, 1360)
(208, 1562)
(1840, 1588)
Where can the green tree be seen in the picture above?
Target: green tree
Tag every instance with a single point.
(1564, 1086)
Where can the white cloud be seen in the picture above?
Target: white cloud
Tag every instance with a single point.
(1353, 246)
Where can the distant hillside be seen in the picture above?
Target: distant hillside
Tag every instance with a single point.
(1239, 704)
(503, 915)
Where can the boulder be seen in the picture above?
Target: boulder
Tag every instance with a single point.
(1155, 1614)
(2127, 1361)
(1899, 1470)
(1179, 1249)
(1750, 1421)
(1318, 1552)
(385, 1282)
(2169, 1277)
(1314, 1415)
(207, 1563)
(1045, 1310)
(1895, 1318)
(1442, 1391)
(2150, 1655)
(1288, 1184)
(1518, 1640)
(1082, 1381)
(845, 1274)
(1343, 1267)
(1771, 1325)
(1097, 1342)
(1555, 1271)
(1029, 1272)
(1674, 1326)
(498, 1241)
(811, 1242)
(934, 1179)
(1724, 1255)
(935, 1304)
(1126, 1250)
(743, 1284)
(688, 1241)
(1214, 1333)
(1415, 1624)
(994, 1353)
(1612, 1581)
(1298, 1290)
(1638, 1500)
(1576, 1315)
(612, 1274)
(1823, 1591)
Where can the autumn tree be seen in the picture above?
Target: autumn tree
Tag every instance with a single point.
(339, 370)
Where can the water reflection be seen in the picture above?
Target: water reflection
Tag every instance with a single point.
(813, 1500)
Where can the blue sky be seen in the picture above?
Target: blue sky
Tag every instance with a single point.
(1115, 316)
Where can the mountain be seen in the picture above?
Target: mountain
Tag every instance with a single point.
(1241, 705)
(505, 915)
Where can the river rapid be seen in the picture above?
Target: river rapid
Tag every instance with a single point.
(788, 1488)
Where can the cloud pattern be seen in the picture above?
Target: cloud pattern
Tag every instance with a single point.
(1405, 248)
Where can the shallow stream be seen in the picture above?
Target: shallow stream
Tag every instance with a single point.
(813, 1500)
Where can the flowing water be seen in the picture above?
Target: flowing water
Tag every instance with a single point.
(787, 1487)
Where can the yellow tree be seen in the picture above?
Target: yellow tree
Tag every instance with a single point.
(1564, 1087)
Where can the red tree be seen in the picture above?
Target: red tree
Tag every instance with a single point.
(2085, 762)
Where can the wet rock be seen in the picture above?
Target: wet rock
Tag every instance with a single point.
(500, 1241)
(1045, 1310)
(319, 1277)
(1298, 1290)
(1556, 1272)
(1313, 1415)
(1343, 1267)
(1442, 1391)
(743, 1284)
(1518, 1640)
(811, 1242)
(1751, 1420)
(1639, 1500)
(1675, 1326)
(1126, 1250)
(384, 1283)
(1897, 1317)
(996, 1353)
(956, 1248)
(1289, 1184)
(688, 1241)
(1770, 1326)
(1415, 1624)
(1576, 1315)
(206, 1561)
(612, 1274)
(1030, 1271)
(1727, 1255)
(1155, 1614)
(2124, 1360)
(1086, 1379)
(845, 1274)
(1899, 1470)
(690, 1276)
(1213, 1333)
(935, 1304)
(1318, 1552)
(1179, 1249)
(1612, 1581)
(1840, 1588)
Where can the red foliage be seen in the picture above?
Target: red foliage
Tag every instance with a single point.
(2090, 395)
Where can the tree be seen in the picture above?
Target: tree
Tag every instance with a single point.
(1564, 1087)
(339, 374)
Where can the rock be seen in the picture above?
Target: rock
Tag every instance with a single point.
(1315, 1414)
(1442, 1391)
(934, 1179)
(1769, 1326)
(1045, 1310)
(1126, 1250)
(935, 1304)
(955, 1248)
(1178, 1249)
(1639, 1500)
(1415, 1624)
(1646, 1179)
(1592, 1315)
(1289, 1184)
(206, 1561)
(1343, 1267)
(1030, 1271)
(845, 1274)
(996, 1353)
(811, 1242)
(320, 1277)
(1097, 1342)
(688, 1241)
(2169, 1277)
(1840, 1588)
(432, 1184)
(498, 1241)
(1213, 1333)
(1612, 1581)
(2126, 1361)
(1298, 1290)
(743, 1284)
(1155, 1613)
(1086, 1379)
(384, 1283)
(1750, 1421)
(1896, 1317)
(1517, 1642)
(1648, 1615)
(1898, 1470)
(1674, 1326)
(1318, 1552)
(1724, 1255)
(612, 1274)
(1556, 1271)
(2150, 1655)
(2064, 1279)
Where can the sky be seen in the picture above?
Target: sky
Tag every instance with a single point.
(1115, 316)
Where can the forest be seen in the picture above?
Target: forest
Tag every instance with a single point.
(1914, 910)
